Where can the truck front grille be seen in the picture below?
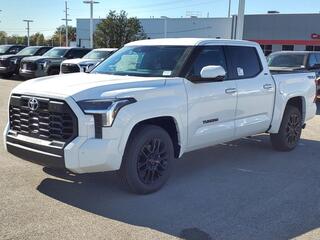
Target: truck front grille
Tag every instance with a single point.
(42, 118)
(69, 68)
(4, 63)
(30, 66)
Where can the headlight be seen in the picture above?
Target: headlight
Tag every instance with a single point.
(14, 60)
(44, 64)
(107, 109)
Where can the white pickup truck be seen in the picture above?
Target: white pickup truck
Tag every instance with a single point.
(153, 101)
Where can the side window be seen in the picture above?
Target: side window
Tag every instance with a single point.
(42, 51)
(79, 53)
(70, 54)
(243, 62)
(312, 60)
(14, 50)
(205, 56)
(318, 57)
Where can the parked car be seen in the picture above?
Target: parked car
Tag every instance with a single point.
(296, 61)
(49, 63)
(87, 62)
(10, 49)
(151, 102)
(10, 64)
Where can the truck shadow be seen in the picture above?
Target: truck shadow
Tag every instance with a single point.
(239, 190)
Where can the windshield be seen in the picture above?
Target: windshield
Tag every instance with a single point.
(4, 49)
(96, 54)
(28, 51)
(287, 60)
(148, 61)
(56, 52)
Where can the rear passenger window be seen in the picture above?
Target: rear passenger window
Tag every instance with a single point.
(206, 56)
(243, 62)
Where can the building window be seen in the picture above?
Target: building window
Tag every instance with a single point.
(287, 47)
(313, 48)
(267, 49)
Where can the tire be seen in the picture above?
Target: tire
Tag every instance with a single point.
(7, 75)
(290, 130)
(147, 161)
(53, 71)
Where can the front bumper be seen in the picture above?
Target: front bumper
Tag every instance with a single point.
(10, 69)
(84, 154)
(26, 149)
(31, 74)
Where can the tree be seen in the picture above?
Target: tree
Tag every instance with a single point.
(60, 34)
(117, 30)
(37, 39)
(15, 39)
(3, 37)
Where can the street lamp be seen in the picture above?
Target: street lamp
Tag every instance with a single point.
(91, 2)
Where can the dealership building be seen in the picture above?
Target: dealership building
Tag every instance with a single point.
(273, 31)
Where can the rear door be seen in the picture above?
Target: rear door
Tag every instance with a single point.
(255, 88)
(211, 103)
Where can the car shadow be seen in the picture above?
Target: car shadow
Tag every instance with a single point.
(318, 108)
(238, 190)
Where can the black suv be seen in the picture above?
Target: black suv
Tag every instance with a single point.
(10, 49)
(9, 64)
(49, 63)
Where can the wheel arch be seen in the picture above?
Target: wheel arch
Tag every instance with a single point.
(298, 101)
(169, 124)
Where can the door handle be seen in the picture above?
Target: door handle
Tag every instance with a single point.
(267, 86)
(230, 90)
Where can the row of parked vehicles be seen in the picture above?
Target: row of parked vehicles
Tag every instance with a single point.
(151, 102)
(39, 61)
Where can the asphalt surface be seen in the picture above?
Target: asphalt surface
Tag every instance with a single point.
(242, 190)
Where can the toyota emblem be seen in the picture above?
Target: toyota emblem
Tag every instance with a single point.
(33, 104)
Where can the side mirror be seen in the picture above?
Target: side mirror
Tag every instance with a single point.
(89, 68)
(213, 72)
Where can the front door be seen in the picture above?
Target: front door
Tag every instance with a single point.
(211, 103)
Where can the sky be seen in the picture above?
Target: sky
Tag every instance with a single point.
(47, 14)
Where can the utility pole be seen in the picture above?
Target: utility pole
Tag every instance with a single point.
(229, 9)
(240, 19)
(67, 20)
(28, 29)
(91, 2)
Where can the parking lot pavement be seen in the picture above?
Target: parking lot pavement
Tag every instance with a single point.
(240, 190)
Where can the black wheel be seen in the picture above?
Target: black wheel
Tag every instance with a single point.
(7, 75)
(146, 164)
(53, 71)
(290, 130)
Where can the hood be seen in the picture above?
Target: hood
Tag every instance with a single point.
(7, 56)
(82, 61)
(81, 86)
(39, 58)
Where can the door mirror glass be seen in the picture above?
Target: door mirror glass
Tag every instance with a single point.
(213, 72)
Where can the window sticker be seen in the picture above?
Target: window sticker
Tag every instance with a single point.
(166, 73)
(240, 71)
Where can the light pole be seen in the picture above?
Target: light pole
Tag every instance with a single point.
(67, 20)
(91, 2)
(229, 9)
(28, 29)
(240, 19)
